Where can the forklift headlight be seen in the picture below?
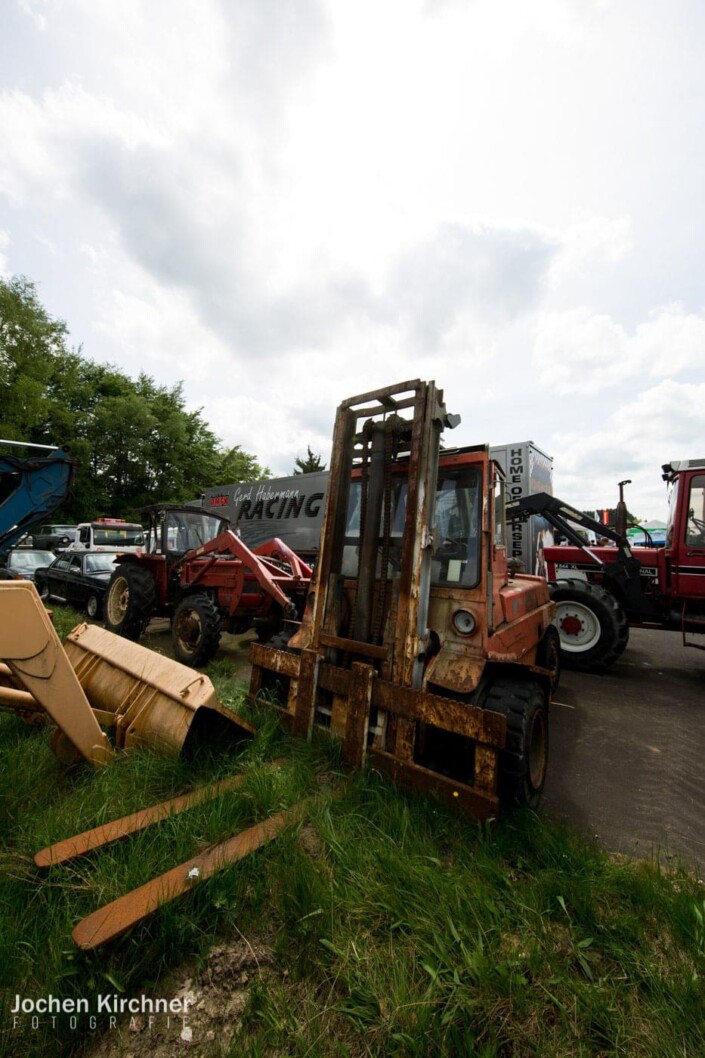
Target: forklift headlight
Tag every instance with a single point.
(464, 622)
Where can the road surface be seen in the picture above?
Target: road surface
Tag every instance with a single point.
(627, 755)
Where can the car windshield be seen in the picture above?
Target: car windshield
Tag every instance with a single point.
(118, 536)
(104, 562)
(29, 560)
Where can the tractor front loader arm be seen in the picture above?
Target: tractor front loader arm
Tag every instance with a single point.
(264, 563)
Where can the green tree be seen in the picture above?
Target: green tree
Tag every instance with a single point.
(134, 442)
(30, 342)
(310, 465)
(232, 464)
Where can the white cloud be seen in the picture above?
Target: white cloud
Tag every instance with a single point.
(158, 327)
(288, 204)
(662, 423)
(582, 352)
(4, 243)
(588, 241)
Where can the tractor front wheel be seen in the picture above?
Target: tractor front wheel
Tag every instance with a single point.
(524, 760)
(591, 624)
(195, 630)
(130, 600)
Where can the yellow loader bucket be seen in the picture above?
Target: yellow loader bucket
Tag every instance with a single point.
(99, 678)
(151, 700)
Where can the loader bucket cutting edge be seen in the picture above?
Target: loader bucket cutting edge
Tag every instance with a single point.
(154, 700)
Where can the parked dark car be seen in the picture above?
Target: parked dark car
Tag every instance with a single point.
(22, 564)
(80, 579)
(53, 537)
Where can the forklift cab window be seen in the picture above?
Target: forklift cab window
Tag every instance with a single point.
(695, 528)
(396, 527)
(455, 529)
(456, 537)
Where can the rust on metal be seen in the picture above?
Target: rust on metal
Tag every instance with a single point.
(353, 646)
(117, 917)
(401, 631)
(358, 715)
(359, 609)
(81, 844)
(462, 718)
(154, 700)
(457, 795)
(31, 649)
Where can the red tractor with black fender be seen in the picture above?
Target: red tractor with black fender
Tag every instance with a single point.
(601, 591)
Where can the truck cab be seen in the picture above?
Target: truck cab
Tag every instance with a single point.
(109, 534)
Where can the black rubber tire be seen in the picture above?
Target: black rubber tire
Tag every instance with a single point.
(130, 600)
(524, 760)
(592, 626)
(548, 654)
(195, 629)
(42, 589)
(93, 607)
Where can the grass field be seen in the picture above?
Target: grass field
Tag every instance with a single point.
(391, 926)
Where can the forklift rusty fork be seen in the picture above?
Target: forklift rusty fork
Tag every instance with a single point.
(115, 918)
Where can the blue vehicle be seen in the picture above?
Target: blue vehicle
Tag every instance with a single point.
(32, 487)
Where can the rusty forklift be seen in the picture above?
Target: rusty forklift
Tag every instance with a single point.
(417, 647)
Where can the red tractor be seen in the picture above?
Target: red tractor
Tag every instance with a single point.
(600, 591)
(201, 575)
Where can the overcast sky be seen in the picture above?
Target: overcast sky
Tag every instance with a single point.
(288, 202)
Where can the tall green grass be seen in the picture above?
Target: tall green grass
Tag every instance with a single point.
(397, 928)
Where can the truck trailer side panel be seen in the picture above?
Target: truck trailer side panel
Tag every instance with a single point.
(291, 508)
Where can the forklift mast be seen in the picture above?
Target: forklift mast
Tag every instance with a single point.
(371, 443)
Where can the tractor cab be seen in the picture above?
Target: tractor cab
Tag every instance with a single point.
(174, 530)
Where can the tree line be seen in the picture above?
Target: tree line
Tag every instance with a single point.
(134, 442)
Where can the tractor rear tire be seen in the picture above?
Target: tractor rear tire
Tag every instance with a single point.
(195, 630)
(592, 626)
(524, 760)
(130, 600)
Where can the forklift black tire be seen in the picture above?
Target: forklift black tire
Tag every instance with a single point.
(195, 630)
(592, 626)
(524, 760)
(129, 600)
(548, 654)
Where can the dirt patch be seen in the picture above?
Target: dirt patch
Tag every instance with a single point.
(213, 1000)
